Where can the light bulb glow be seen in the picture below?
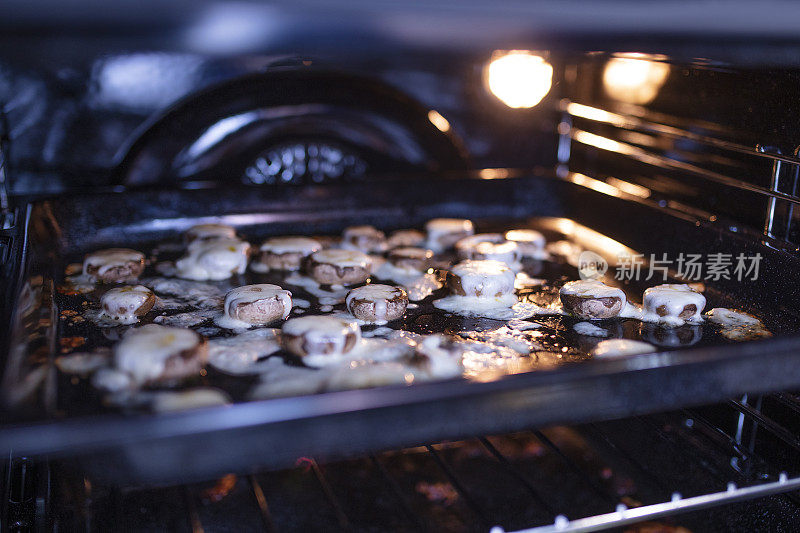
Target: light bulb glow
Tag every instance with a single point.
(519, 78)
(636, 81)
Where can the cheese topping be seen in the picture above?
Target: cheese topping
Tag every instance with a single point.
(253, 293)
(531, 243)
(401, 257)
(731, 318)
(171, 401)
(592, 288)
(104, 260)
(120, 303)
(287, 245)
(467, 244)
(143, 352)
(485, 278)
(378, 294)
(215, 259)
(621, 348)
(343, 258)
(506, 252)
(366, 238)
(589, 329)
(527, 236)
(210, 231)
(405, 237)
(441, 231)
(664, 303)
(321, 332)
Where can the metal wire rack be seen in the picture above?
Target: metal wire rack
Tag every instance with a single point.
(764, 173)
(582, 478)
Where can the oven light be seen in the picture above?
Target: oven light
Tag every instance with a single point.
(519, 79)
(636, 81)
(439, 121)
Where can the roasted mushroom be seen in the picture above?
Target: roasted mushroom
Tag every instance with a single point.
(377, 303)
(204, 232)
(592, 299)
(411, 259)
(126, 304)
(285, 253)
(320, 340)
(673, 304)
(114, 265)
(339, 267)
(258, 304)
(443, 233)
(364, 238)
(214, 259)
(405, 238)
(481, 279)
(153, 353)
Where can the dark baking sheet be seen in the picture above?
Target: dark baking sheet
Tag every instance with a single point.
(62, 417)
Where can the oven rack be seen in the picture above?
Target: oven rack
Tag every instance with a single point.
(708, 457)
(631, 134)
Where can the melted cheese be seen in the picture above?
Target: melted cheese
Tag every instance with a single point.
(501, 308)
(378, 294)
(120, 303)
(737, 326)
(592, 288)
(487, 277)
(111, 380)
(466, 245)
(589, 329)
(143, 352)
(171, 401)
(82, 363)
(321, 330)
(104, 260)
(409, 252)
(332, 294)
(343, 258)
(289, 245)
(418, 286)
(249, 294)
(210, 231)
(621, 348)
(531, 243)
(440, 230)
(673, 298)
(730, 318)
(245, 353)
(405, 237)
(216, 259)
(505, 252)
(364, 375)
(365, 238)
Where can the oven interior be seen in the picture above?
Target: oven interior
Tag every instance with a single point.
(713, 161)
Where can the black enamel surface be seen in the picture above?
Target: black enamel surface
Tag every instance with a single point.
(333, 423)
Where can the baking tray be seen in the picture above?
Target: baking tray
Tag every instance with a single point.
(191, 445)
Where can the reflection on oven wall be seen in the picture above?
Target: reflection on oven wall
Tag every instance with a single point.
(690, 132)
(70, 120)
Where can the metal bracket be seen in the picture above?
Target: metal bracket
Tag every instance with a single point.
(769, 218)
(564, 144)
(775, 187)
